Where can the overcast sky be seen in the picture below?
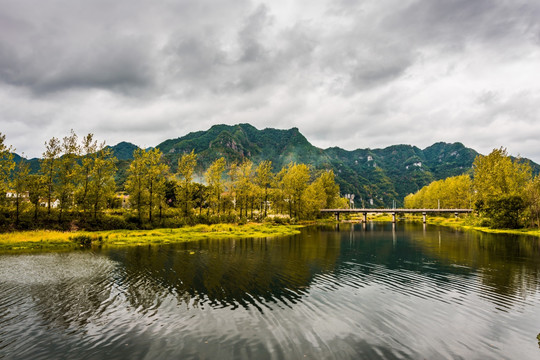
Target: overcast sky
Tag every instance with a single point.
(353, 74)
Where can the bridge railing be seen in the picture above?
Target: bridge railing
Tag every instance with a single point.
(424, 212)
(399, 210)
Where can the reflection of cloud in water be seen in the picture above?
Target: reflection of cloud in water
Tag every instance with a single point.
(52, 268)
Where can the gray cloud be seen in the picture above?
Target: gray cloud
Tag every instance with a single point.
(453, 23)
(347, 73)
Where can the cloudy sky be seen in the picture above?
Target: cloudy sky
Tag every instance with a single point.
(347, 73)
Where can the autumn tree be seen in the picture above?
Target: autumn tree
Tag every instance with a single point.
(323, 193)
(67, 172)
(89, 149)
(156, 176)
(295, 180)
(49, 168)
(101, 184)
(454, 193)
(498, 175)
(244, 186)
(37, 188)
(135, 183)
(186, 170)
(264, 179)
(532, 198)
(214, 180)
(499, 183)
(6, 166)
(19, 185)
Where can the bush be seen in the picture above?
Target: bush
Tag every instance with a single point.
(505, 211)
(85, 240)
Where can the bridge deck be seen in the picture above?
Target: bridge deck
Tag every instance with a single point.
(461, 211)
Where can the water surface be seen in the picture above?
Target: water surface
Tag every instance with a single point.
(351, 292)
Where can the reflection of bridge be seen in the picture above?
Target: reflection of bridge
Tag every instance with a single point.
(396, 211)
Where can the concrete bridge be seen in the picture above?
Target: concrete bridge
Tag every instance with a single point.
(396, 211)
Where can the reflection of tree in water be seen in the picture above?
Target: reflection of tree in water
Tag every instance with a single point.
(242, 272)
(508, 264)
(409, 258)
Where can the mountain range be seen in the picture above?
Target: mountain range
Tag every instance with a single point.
(377, 177)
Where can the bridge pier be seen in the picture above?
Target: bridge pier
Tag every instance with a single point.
(456, 214)
(424, 217)
(365, 218)
(337, 216)
(393, 217)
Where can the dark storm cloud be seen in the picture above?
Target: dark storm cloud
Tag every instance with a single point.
(249, 55)
(350, 73)
(453, 23)
(66, 46)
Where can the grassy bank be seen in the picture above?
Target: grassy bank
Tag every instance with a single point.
(57, 240)
(466, 223)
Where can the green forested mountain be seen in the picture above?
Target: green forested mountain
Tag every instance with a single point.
(244, 141)
(375, 176)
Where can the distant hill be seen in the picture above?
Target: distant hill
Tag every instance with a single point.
(375, 176)
(123, 150)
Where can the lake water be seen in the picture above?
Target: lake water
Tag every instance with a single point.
(374, 292)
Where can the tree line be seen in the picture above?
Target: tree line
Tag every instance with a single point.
(75, 188)
(502, 190)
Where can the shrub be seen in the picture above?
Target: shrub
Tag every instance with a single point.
(505, 211)
(85, 240)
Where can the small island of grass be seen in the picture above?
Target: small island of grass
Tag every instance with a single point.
(58, 240)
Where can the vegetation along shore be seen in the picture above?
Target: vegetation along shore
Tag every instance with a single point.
(58, 240)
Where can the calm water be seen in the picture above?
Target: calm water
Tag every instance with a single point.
(328, 293)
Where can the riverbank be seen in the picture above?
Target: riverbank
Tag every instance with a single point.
(465, 223)
(57, 240)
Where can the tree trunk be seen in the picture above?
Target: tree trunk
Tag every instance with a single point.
(17, 209)
(151, 201)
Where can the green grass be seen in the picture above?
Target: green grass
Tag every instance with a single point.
(460, 222)
(51, 240)
(466, 223)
